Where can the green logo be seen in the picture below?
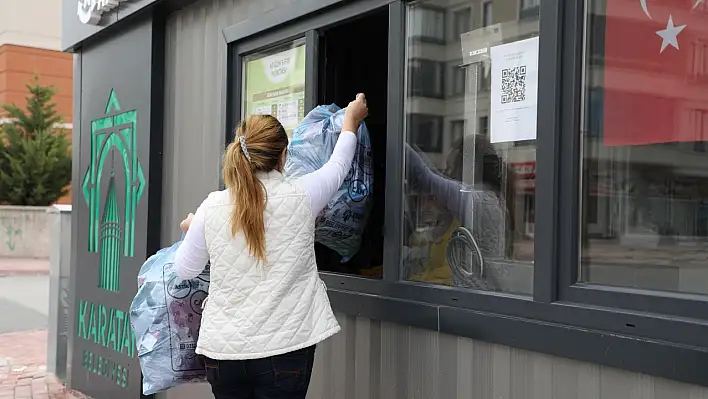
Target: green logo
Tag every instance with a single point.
(109, 235)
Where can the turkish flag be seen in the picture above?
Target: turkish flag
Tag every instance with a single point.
(656, 71)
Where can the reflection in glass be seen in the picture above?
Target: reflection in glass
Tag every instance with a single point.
(468, 217)
(645, 168)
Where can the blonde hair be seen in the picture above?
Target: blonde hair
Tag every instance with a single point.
(258, 147)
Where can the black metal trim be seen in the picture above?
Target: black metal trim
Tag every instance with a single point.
(271, 24)
(649, 325)
(157, 122)
(692, 306)
(234, 65)
(312, 51)
(76, 138)
(549, 102)
(567, 224)
(395, 140)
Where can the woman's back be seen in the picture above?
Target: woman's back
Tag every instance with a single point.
(267, 307)
(258, 309)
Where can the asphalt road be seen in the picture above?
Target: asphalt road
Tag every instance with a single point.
(24, 303)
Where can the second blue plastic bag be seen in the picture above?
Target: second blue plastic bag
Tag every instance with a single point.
(166, 314)
(341, 224)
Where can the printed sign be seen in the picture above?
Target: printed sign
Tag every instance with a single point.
(112, 217)
(514, 91)
(275, 85)
(111, 204)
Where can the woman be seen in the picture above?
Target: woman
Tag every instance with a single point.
(267, 307)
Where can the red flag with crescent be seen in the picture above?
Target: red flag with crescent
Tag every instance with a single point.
(656, 72)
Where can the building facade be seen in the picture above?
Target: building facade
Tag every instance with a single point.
(30, 44)
(584, 120)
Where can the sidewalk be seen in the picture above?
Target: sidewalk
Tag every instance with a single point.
(23, 372)
(23, 267)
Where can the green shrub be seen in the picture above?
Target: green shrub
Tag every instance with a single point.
(35, 171)
(38, 114)
(35, 158)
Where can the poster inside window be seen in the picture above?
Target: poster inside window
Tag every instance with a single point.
(274, 84)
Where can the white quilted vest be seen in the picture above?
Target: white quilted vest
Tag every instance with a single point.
(261, 310)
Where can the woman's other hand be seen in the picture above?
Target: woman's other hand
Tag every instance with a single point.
(186, 223)
(355, 113)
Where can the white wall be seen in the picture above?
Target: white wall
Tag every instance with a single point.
(31, 23)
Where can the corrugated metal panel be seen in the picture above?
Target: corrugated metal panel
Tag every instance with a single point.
(195, 61)
(377, 360)
(369, 359)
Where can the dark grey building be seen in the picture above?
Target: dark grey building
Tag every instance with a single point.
(585, 119)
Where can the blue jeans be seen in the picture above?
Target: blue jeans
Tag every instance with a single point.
(284, 376)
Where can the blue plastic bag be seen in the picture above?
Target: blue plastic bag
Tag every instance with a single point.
(341, 224)
(166, 314)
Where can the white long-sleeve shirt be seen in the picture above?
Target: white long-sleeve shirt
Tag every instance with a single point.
(320, 186)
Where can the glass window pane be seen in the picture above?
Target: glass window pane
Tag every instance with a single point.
(470, 160)
(274, 84)
(644, 220)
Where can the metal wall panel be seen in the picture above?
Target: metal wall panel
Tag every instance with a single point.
(194, 140)
(369, 359)
(378, 360)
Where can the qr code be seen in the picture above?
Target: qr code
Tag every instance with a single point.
(513, 85)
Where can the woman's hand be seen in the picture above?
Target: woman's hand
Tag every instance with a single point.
(186, 223)
(355, 113)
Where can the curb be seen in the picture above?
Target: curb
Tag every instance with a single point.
(23, 273)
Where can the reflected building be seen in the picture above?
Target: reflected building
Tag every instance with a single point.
(643, 194)
(448, 100)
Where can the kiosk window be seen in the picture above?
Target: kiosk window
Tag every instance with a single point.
(644, 198)
(468, 203)
(342, 74)
(274, 84)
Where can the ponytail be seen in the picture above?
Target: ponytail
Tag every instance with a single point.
(258, 147)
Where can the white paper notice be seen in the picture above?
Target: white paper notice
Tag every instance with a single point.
(514, 91)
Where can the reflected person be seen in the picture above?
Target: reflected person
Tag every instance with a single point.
(484, 208)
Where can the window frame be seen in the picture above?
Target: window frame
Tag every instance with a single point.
(483, 14)
(456, 13)
(685, 305)
(527, 12)
(603, 325)
(441, 12)
(456, 71)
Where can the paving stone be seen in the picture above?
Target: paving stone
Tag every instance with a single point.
(23, 391)
(23, 372)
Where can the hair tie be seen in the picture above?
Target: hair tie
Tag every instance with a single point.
(242, 140)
